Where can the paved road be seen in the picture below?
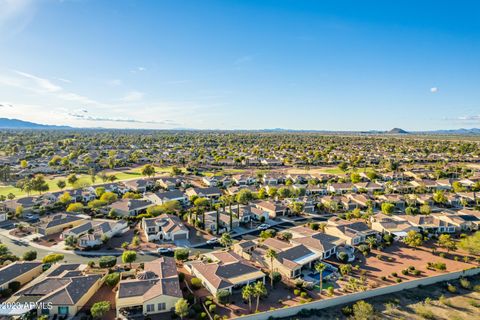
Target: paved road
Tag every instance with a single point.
(18, 248)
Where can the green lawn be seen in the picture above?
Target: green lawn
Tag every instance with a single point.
(84, 179)
(337, 171)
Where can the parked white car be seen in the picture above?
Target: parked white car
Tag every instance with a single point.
(212, 241)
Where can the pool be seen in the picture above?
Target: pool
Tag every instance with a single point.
(325, 274)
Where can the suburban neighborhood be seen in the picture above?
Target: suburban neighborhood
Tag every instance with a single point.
(155, 237)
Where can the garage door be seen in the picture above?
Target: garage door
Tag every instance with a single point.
(180, 236)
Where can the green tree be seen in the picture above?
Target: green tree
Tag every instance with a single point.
(271, 255)
(181, 308)
(259, 290)
(71, 241)
(65, 198)
(53, 258)
(23, 164)
(226, 240)
(425, 209)
(320, 267)
(109, 197)
(30, 255)
(148, 170)
(39, 184)
(181, 254)
(61, 184)
(363, 311)
(72, 179)
(471, 243)
(129, 257)
(99, 309)
(75, 207)
(355, 177)
(247, 294)
(439, 197)
(446, 241)
(387, 208)
(413, 239)
(244, 196)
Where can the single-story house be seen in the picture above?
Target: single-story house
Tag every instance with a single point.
(226, 271)
(154, 290)
(164, 227)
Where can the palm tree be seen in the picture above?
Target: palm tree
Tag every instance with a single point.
(271, 254)
(217, 218)
(371, 241)
(259, 290)
(247, 293)
(319, 267)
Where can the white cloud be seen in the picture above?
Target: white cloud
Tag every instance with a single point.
(33, 83)
(469, 118)
(433, 89)
(133, 96)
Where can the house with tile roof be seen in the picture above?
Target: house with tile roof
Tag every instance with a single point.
(164, 227)
(92, 233)
(353, 232)
(59, 222)
(19, 271)
(66, 288)
(225, 270)
(155, 290)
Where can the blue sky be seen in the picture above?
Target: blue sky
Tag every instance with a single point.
(325, 65)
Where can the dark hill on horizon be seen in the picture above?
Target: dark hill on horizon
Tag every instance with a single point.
(397, 131)
(6, 123)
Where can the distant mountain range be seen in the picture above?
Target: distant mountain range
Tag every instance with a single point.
(20, 124)
(6, 123)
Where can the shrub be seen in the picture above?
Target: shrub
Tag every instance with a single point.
(474, 303)
(223, 296)
(296, 292)
(181, 276)
(107, 262)
(425, 313)
(330, 291)
(196, 283)
(5, 293)
(416, 272)
(30, 255)
(394, 274)
(404, 272)
(347, 311)
(14, 286)
(384, 278)
(303, 294)
(212, 308)
(465, 283)
(437, 266)
(451, 288)
(398, 280)
(112, 279)
(277, 277)
(181, 254)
